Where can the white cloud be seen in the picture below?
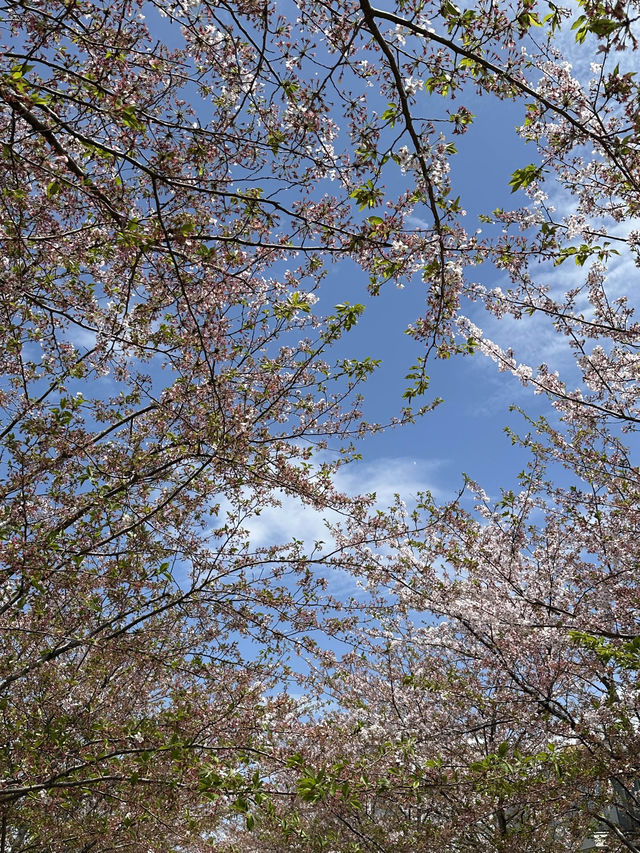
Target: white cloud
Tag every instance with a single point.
(386, 477)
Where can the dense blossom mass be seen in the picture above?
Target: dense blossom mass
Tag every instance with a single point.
(176, 180)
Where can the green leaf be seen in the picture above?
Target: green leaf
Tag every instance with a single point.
(275, 138)
(603, 26)
(290, 88)
(129, 116)
(367, 195)
(522, 178)
(241, 805)
(296, 301)
(390, 114)
(449, 10)
(349, 314)
(19, 70)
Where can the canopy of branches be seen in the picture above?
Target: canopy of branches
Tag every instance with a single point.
(176, 180)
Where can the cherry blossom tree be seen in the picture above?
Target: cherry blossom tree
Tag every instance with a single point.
(517, 688)
(497, 704)
(175, 180)
(164, 380)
